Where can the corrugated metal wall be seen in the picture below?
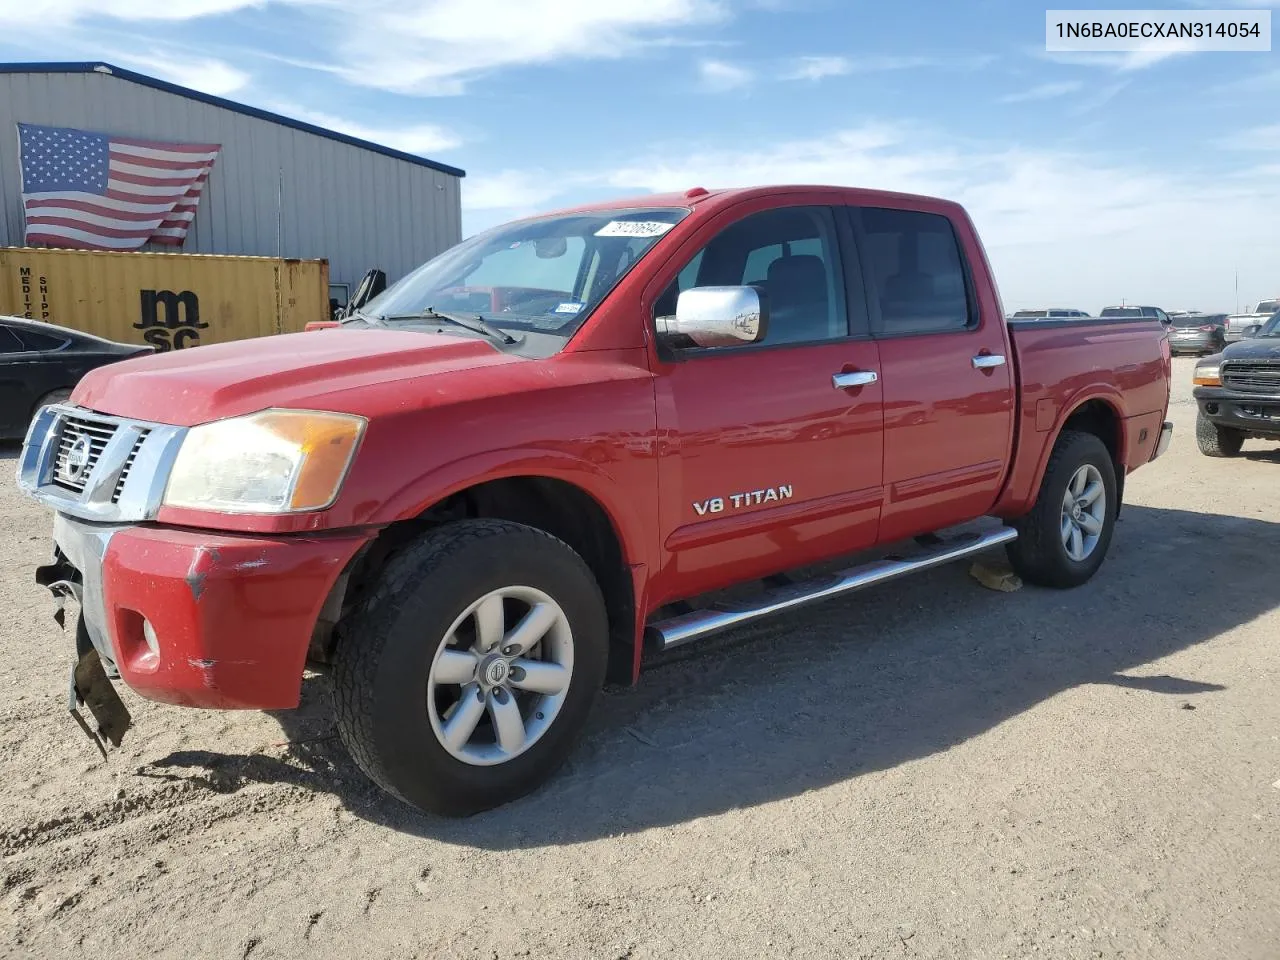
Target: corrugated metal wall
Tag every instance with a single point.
(356, 208)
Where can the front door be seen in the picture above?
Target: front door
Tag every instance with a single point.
(766, 462)
(948, 384)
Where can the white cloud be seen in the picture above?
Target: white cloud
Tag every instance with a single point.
(423, 139)
(1126, 62)
(1045, 91)
(818, 68)
(514, 192)
(720, 76)
(436, 46)
(422, 47)
(63, 12)
(199, 73)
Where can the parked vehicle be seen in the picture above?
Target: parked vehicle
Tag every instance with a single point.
(532, 456)
(1238, 323)
(1197, 333)
(1237, 392)
(1134, 313)
(1055, 313)
(40, 363)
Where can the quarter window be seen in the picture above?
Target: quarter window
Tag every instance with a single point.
(916, 270)
(9, 342)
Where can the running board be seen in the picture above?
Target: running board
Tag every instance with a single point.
(677, 631)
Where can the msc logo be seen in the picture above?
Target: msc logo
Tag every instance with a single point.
(170, 321)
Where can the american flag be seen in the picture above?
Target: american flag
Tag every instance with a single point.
(102, 192)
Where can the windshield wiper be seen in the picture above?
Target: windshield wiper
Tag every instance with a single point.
(476, 324)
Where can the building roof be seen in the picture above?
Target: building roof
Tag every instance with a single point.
(155, 84)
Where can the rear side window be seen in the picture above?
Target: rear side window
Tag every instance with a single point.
(9, 342)
(34, 340)
(916, 270)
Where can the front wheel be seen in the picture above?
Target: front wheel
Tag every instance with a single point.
(1216, 441)
(464, 681)
(1064, 539)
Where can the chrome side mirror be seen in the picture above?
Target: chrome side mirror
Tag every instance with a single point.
(719, 316)
(1251, 331)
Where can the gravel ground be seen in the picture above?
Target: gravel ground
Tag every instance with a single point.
(930, 769)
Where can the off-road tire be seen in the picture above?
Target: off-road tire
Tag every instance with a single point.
(1216, 441)
(1038, 555)
(386, 648)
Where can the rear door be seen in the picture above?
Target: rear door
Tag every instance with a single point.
(948, 383)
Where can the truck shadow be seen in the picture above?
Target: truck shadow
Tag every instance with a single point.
(842, 690)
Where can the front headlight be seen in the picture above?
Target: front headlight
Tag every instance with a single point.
(276, 461)
(1207, 375)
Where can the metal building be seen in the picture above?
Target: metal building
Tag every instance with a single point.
(279, 187)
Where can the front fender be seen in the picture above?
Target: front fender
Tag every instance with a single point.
(626, 513)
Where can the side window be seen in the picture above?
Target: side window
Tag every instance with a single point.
(915, 267)
(34, 340)
(791, 254)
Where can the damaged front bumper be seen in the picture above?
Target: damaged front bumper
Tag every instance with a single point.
(198, 618)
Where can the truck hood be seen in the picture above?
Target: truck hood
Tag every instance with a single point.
(186, 387)
(1258, 348)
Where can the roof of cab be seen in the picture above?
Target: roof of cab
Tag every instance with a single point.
(698, 196)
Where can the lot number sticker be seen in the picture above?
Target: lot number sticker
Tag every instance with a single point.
(634, 228)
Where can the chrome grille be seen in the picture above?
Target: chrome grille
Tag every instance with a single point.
(128, 465)
(72, 473)
(117, 474)
(1251, 376)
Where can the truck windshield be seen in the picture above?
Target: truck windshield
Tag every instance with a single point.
(543, 275)
(1267, 306)
(1121, 312)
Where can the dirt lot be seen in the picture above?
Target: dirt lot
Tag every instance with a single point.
(927, 770)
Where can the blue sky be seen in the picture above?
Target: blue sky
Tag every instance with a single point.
(1092, 178)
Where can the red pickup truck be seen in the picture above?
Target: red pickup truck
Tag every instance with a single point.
(525, 462)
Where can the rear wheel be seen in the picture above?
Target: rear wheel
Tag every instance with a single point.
(1064, 539)
(463, 682)
(1216, 441)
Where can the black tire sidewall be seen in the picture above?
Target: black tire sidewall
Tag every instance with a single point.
(1216, 441)
(1083, 449)
(412, 761)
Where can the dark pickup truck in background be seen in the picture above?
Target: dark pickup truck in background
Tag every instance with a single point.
(1237, 392)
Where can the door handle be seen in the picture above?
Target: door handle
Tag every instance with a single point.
(986, 361)
(855, 378)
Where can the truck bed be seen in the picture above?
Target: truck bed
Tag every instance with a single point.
(1125, 362)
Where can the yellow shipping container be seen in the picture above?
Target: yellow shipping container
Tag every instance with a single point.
(168, 300)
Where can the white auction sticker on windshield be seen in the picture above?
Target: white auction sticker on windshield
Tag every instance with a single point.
(634, 228)
(569, 308)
